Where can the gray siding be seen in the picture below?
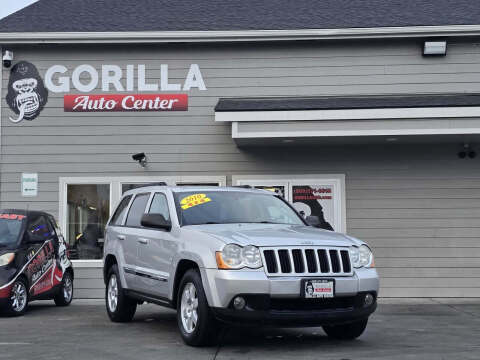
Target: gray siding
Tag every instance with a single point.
(418, 206)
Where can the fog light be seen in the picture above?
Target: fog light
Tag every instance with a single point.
(239, 303)
(368, 300)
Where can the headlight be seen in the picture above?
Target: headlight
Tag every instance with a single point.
(355, 256)
(6, 259)
(237, 257)
(361, 256)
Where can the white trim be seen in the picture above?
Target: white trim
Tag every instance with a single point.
(350, 114)
(238, 35)
(336, 180)
(87, 264)
(342, 133)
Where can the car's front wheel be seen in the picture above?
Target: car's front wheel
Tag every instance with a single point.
(65, 293)
(346, 331)
(196, 322)
(120, 307)
(18, 301)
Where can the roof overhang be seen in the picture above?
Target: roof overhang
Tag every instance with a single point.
(238, 35)
(335, 118)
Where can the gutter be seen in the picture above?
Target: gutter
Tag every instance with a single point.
(238, 35)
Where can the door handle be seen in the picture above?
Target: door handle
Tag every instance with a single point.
(143, 241)
(121, 237)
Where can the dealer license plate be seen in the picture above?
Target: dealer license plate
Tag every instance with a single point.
(318, 288)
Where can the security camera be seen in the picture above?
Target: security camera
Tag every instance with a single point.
(141, 158)
(7, 58)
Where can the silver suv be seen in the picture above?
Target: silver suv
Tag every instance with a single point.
(234, 255)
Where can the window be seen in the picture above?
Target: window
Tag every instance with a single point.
(121, 210)
(86, 201)
(88, 210)
(311, 194)
(227, 207)
(137, 210)
(39, 228)
(159, 205)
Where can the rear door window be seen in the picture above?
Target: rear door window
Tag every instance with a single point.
(119, 214)
(137, 210)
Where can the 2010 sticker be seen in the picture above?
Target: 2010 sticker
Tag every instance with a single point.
(194, 200)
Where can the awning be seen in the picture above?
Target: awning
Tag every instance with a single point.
(350, 117)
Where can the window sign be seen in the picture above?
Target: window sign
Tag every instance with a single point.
(315, 200)
(29, 184)
(310, 195)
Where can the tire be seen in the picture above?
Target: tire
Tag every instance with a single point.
(192, 304)
(64, 296)
(19, 293)
(120, 307)
(347, 331)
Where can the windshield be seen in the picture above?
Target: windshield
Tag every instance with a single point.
(10, 228)
(222, 207)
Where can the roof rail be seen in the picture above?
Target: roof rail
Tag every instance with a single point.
(244, 186)
(160, 183)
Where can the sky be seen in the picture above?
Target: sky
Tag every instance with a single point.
(10, 6)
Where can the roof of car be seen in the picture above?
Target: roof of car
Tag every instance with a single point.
(191, 188)
(224, 15)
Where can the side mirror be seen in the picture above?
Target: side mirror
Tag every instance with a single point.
(313, 221)
(156, 221)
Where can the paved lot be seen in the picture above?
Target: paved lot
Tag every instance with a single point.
(422, 330)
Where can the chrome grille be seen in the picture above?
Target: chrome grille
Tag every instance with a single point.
(306, 261)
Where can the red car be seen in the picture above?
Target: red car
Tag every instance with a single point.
(33, 261)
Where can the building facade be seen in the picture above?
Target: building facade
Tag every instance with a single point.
(368, 131)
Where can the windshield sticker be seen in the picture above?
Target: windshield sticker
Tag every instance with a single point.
(12, 216)
(194, 200)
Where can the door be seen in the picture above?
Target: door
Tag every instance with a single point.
(39, 239)
(130, 233)
(156, 250)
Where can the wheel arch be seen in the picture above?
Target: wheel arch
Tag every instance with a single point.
(110, 260)
(182, 267)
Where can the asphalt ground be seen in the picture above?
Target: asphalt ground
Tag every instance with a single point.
(426, 329)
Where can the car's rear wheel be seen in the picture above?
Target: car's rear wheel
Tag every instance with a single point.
(120, 307)
(196, 322)
(18, 301)
(65, 293)
(346, 331)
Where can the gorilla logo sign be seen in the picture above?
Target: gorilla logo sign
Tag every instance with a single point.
(27, 94)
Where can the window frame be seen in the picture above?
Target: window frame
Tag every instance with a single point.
(116, 195)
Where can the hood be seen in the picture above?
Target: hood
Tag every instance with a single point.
(274, 235)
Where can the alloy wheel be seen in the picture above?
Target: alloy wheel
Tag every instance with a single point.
(19, 297)
(113, 293)
(189, 308)
(68, 288)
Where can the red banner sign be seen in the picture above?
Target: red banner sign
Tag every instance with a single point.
(127, 102)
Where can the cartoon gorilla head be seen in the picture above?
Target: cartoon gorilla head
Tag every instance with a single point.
(27, 94)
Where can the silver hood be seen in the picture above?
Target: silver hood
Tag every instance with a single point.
(274, 235)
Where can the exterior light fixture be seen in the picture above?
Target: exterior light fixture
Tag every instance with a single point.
(435, 48)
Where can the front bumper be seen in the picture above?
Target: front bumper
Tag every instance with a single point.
(221, 286)
(264, 310)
